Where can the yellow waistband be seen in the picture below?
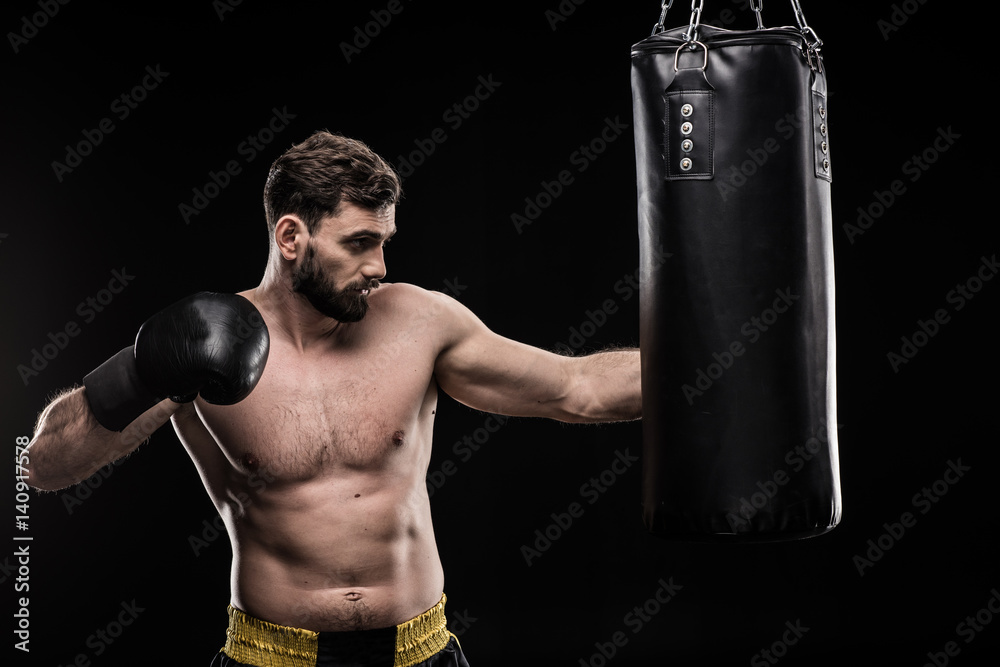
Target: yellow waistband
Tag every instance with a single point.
(256, 642)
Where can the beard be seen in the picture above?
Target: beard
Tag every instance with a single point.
(344, 305)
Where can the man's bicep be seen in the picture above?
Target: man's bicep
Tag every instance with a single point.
(492, 373)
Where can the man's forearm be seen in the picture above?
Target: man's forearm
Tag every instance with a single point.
(607, 386)
(69, 445)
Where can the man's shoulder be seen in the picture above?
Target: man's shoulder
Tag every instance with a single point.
(406, 295)
(410, 304)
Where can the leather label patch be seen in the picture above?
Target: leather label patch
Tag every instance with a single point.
(821, 136)
(689, 133)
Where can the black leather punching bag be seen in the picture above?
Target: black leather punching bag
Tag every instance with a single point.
(737, 291)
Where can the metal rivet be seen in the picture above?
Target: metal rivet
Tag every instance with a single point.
(823, 147)
(822, 111)
(686, 128)
(822, 129)
(826, 165)
(687, 110)
(687, 145)
(686, 164)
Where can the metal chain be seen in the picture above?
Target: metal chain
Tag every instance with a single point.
(800, 17)
(804, 28)
(757, 7)
(692, 32)
(665, 7)
(809, 35)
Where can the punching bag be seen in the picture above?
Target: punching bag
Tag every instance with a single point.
(737, 282)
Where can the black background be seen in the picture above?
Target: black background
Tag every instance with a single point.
(559, 83)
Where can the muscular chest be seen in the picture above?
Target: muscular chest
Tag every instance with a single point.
(362, 409)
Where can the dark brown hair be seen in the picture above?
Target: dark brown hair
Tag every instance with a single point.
(313, 178)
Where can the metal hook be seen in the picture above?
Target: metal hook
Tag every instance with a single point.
(677, 54)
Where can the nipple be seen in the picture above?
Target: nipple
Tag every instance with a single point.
(250, 461)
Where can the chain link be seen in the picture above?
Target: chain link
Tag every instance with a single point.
(664, 8)
(809, 35)
(692, 32)
(757, 7)
(800, 17)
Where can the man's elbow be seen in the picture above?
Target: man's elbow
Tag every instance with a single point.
(37, 474)
(605, 415)
(44, 471)
(596, 406)
(611, 395)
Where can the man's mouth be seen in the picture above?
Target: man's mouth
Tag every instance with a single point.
(363, 289)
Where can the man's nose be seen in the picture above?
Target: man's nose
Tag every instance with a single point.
(374, 267)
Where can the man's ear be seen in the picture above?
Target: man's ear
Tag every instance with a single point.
(290, 236)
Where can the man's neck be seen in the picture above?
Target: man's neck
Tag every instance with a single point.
(290, 313)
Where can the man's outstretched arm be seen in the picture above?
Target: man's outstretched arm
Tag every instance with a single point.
(495, 374)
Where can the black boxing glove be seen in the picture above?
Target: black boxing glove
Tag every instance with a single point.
(210, 344)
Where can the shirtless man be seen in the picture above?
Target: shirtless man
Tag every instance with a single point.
(312, 435)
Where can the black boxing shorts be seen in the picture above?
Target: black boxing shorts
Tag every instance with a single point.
(423, 641)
